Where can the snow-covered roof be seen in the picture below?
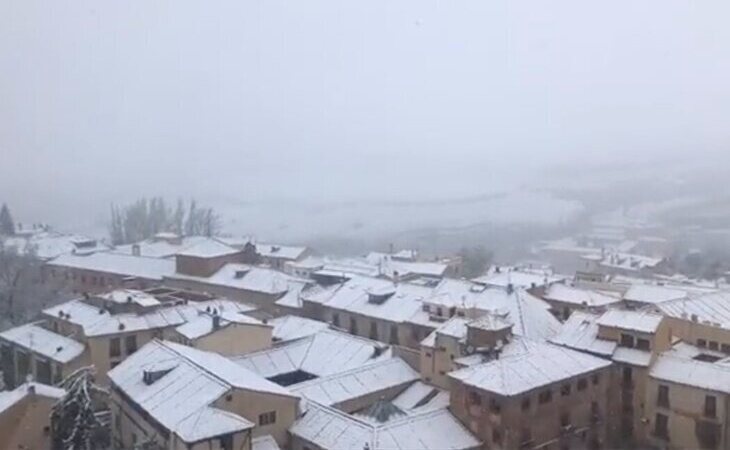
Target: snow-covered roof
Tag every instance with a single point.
(8, 399)
(387, 265)
(580, 332)
(629, 261)
(431, 430)
(649, 294)
(709, 309)
(44, 342)
(277, 251)
(203, 324)
(321, 354)
(161, 246)
(249, 278)
(209, 248)
(491, 322)
(354, 296)
(97, 322)
(691, 372)
(130, 296)
(265, 442)
(359, 382)
(632, 356)
(126, 265)
(518, 278)
(287, 328)
(530, 315)
(579, 297)
(192, 380)
(641, 321)
(414, 395)
(545, 364)
(47, 245)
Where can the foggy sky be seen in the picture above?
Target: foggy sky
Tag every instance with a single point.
(101, 101)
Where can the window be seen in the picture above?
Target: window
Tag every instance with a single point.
(725, 348)
(596, 379)
(582, 384)
(701, 343)
(394, 335)
(713, 345)
(545, 396)
(643, 344)
(595, 410)
(226, 442)
(526, 403)
(661, 426)
(115, 348)
(710, 406)
(336, 319)
(627, 377)
(475, 398)
(496, 436)
(353, 325)
(267, 418)
(627, 340)
(494, 406)
(565, 390)
(43, 371)
(131, 343)
(663, 396)
(373, 331)
(565, 419)
(23, 362)
(439, 311)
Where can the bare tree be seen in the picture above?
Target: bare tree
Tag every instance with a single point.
(23, 292)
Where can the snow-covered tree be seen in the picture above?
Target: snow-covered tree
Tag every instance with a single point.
(7, 225)
(76, 418)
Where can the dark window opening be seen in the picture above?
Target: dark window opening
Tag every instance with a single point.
(289, 378)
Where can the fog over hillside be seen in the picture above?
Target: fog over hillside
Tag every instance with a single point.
(300, 120)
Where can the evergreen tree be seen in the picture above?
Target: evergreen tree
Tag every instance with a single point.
(7, 225)
(75, 418)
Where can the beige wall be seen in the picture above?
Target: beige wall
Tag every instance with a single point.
(692, 332)
(99, 348)
(26, 425)
(251, 405)
(506, 429)
(236, 339)
(437, 362)
(129, 426)
(686, 408)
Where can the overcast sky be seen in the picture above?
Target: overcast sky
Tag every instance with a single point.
(252, 99)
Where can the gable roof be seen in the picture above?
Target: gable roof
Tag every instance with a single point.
(209, 248)
(181, 399)
(543, 365)
(359, 382)
(580, 332)
(118, 264)
(321, 354)
(641, 321)
(52, 345)
(430, 430)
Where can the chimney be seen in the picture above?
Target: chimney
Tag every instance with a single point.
(136, 250)
(216, 322)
